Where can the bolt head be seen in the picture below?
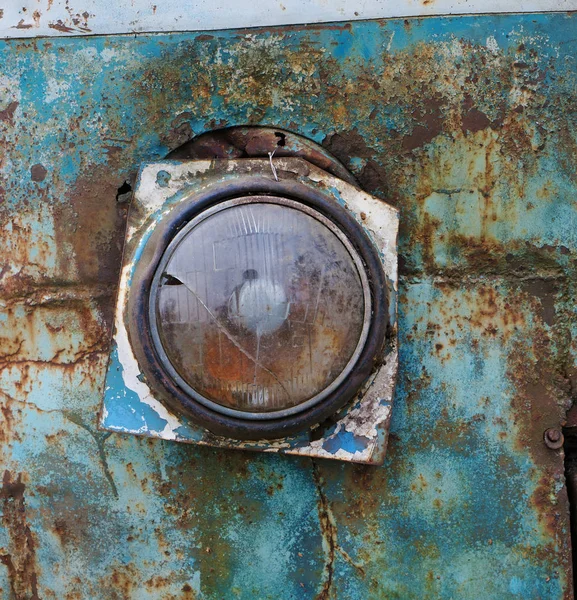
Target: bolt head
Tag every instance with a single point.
(553, 438)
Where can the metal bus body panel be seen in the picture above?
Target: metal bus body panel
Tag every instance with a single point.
(468, 125)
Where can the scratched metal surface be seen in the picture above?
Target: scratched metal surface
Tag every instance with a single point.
(468, 125)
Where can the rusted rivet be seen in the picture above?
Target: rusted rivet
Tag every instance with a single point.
(553, 438)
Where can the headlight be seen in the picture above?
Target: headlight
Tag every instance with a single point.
(260, 307)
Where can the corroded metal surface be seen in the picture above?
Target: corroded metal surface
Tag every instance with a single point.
(469, 126)
(258, 142)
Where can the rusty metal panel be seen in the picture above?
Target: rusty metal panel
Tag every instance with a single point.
(469, 126)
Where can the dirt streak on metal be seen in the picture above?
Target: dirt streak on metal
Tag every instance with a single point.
(20, 557)
(469, 126)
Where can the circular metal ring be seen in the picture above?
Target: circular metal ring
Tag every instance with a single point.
(152, 308)
(150, 256)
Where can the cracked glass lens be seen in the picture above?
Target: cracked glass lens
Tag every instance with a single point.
(260, 307)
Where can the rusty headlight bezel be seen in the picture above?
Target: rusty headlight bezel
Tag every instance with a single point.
(141, 330)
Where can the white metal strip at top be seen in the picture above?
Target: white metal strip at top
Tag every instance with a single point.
(37, 18)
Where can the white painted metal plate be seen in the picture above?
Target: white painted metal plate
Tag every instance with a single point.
(38, 18)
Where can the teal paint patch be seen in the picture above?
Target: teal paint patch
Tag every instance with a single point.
(122, 408)
(346, 441)
(163, 178)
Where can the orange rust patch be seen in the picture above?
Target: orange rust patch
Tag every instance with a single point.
(7, 114)
(91, 224)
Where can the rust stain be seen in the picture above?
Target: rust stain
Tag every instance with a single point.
(430, 123)
(191, 494)
(38, 172)
(546, 291)
(60, 326)
(188, 592)
(157, 582)
(22, 25)
(7, 114)
(507, 138)
(274, 30)
(10, 417)
(473, 118)
(542, 395)
(6, 422)
(329, 535)
(121, 582)
(65, 530)
(60, 26)
(20, 557)
(92, 224)
(373, 175)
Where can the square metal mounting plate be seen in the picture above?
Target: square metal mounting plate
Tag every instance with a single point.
(359, 432)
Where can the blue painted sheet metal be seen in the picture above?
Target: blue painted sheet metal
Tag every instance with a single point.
(469, 126)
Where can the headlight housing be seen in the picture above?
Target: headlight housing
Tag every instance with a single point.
(254, 303)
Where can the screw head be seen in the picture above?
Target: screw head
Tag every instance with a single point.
(553, 438)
